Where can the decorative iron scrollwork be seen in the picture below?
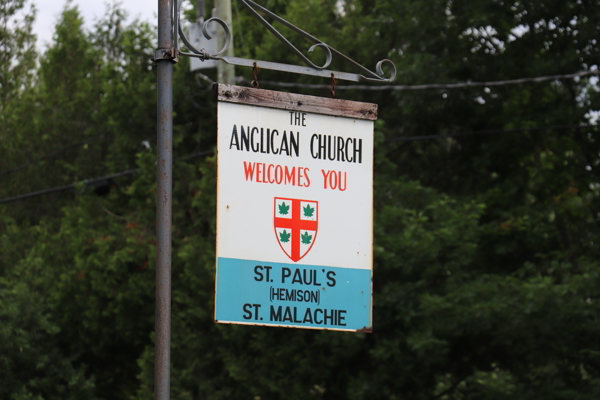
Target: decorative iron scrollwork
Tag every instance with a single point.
(367, 75)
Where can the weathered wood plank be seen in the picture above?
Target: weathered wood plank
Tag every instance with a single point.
(295, 102)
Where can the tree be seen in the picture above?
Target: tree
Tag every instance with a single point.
(486, 244)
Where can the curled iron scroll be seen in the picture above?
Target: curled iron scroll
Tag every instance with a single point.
(252, 6)
(202, 52)
(379, 70)
(367, 75)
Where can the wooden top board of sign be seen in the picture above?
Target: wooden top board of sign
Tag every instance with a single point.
(295, 102)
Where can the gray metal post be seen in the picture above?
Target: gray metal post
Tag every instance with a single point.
(225, 72)
(164, 194)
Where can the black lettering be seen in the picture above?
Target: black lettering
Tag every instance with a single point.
(248, 311)
(295, 140)
(297, 277)
(322, 148)
(262, 140)
(315, 275)
(330, 317)
(245, 139)
(268, 140)
(342, 317)
(316, 311)
(285, 273)
(284, 144)
(340, 149)
(346, 151)
(312, 145)
(331, 278)
(275, 315)
(359, 151)
(259, 275)
(256, 311)
(268, 279)
(254, 130)
(310, 276)
(287, 315)
(330, 148)
(308, 316)
(234, 135)
(273, 132)
(290, 295)
(296, 320)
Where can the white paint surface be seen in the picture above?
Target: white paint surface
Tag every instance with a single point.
(245, 226)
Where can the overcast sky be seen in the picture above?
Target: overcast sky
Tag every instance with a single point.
(91, 10)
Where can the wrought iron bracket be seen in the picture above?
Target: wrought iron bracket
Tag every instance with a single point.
(166, 54)
(311, 69)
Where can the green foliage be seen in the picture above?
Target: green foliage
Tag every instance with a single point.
(486, 246)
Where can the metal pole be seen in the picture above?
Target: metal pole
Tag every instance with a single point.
(164, 194)
(225, 72)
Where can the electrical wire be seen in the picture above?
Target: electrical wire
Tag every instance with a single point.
(53, 154)
(433, 85)
(489, 132)
(92, 182)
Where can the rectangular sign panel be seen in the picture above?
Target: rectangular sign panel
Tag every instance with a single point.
(294, 210)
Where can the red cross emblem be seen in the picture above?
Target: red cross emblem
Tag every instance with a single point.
(296, 223)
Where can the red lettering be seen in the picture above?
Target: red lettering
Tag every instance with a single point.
(307, 184)
(325, 178)
(269, 169)
(259, 171)
(248, 170)
(333, 183)
(281, 174)
(290, 176)
(343, 178)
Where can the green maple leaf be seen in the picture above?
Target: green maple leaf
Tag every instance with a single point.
(306, 238)
(283, 209)
(308, 211)
(284, 237)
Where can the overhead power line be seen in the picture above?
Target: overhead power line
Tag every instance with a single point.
(432, 85)
(87, 183)
(53, 154)
(490, 132)
(92, 182)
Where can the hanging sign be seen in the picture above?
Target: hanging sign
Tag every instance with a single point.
(294, 210)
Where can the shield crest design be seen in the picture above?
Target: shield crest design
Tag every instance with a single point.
(296, 225)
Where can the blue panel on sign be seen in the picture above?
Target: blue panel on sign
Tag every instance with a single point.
(309, 296)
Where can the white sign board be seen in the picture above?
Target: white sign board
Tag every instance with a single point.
(294, 210)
